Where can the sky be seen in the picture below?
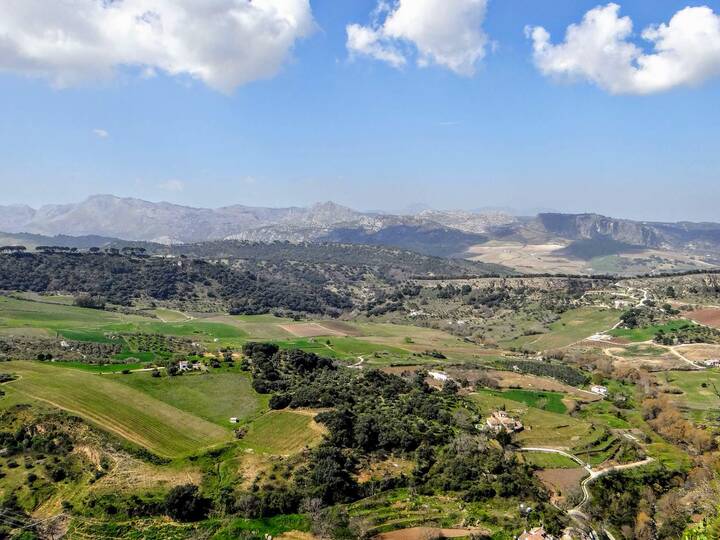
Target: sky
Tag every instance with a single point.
(569, 105)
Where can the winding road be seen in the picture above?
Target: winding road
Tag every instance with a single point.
(594, 474)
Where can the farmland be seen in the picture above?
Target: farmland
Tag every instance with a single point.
(647, 333)
(118, 408)
(573, 326)
(215, 396)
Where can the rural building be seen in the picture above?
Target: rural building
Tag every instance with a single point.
(184, 365)
(439, 376)
(713, 362)
(501, 420)
(537, 533)
(599, 390)
(234, 420)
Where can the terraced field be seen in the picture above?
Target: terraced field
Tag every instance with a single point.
(115, 407)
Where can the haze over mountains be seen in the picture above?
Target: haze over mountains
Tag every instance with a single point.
(446, 233)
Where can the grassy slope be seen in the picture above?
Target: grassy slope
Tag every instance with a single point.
(215, 396)
(547, 401)
(543, 429)
(573, 326)
(282, 433)
(694, 395)
(131, 414)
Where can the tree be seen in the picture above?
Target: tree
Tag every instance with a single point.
(184, 503)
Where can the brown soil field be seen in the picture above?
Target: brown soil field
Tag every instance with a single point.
(707, 316)
(663, 362)
(562, 481)
(307, 330)
(530, 258)
(428, 533)
(699, 352)
(343, 327)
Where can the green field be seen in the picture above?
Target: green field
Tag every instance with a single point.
(574, 325)
(170, 315)
(547, 401)
(649, 332)
(92, 325)
(215, 396)
(697, 388)
(282, 433)
(118, 408)
(545, 460)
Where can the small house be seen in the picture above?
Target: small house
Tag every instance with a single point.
(713, 362)
(438, 375)
(501, 420)
(599, 390)
(183, 365)
(234, 420)
(537, 533)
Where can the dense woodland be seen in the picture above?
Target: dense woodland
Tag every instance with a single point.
(121, 279)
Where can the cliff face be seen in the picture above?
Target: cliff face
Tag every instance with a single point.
(594, 226)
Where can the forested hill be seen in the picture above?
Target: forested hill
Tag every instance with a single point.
(239, 277)
(125, 279)
(383, 259)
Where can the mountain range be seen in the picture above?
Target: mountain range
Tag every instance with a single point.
(445, 233)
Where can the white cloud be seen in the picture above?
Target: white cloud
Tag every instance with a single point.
(686, 51)
(447, 33)
(101, 133)
(224, 43)
(174, 186)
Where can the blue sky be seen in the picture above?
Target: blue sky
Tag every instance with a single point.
(350, 128)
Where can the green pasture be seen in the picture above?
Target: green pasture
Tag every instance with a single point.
(282, 433)
(128, 413)
(215, 396)
(648, 333)
(700, 389)
(573, 326)
(546, 401)
(546, 460)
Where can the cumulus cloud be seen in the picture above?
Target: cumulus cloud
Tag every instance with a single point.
(101, 133)
(685, 51)
(224, 43)
(174, 186)
(447, 33)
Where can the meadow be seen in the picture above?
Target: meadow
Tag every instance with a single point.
(699, 389)
(572, 327)
(115, 407)
(546, 401)
(283, 433)
(215, 396)
(648, 333)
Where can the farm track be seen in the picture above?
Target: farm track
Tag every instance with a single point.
(593, 474)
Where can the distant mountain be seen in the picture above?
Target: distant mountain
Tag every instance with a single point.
(138, 220)
(431, 232)
(655, 235)
(14, 217)
(593, 226)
